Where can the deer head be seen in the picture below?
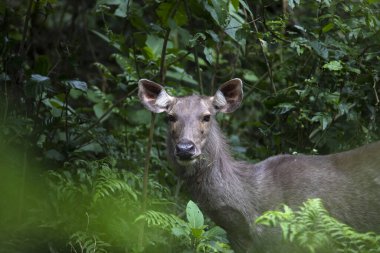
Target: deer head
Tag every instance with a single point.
(190, 118)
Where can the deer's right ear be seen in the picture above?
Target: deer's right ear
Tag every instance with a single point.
(153, 96)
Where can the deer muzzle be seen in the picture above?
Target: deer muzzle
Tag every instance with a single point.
(185, 150)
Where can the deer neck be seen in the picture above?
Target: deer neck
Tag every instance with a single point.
(214, 161)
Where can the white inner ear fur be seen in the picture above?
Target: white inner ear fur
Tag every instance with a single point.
(219, 99)
(163, 99)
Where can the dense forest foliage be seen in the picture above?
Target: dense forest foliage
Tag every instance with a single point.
(83, 165)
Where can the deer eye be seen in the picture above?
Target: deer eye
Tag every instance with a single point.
(206, 118)
(172, 118)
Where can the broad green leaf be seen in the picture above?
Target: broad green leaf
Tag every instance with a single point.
(110, 2)
(99, 110)
(197, 232)
(155, 44)
(39, 78)
(324, 119)
(328, 27)
(122, 10)
(180, 231)
(235, 4)
(326, 2)
(91, 147)
(333, 66)
(234, 25)
(54, 155)
(180, 74)
(293, 3)
(208, 52)
(284, 108)
(194, 216)
(214, 232)
(301, 28)
(165, 9)
(218, 11)
(75, 84)
(250, 76)
(106, 39)
(319, 48)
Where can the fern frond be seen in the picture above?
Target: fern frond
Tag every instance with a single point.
(107, 184)
(88, 243)
(104, 70)
(161, 220)
(313, 229)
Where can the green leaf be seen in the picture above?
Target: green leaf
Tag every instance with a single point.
(75, 84)
(194, 216)
(250, 76)
(324, 119)
(293, 3)
(39, 78)
(218, 12)
(122, 10)
(164, 10)
(328, 27)
(154, 44)
(208, 52)
(54, 155)
(180, 74)
(106, 39)
(197, 232)
(284, 108)
(235, 4)
(333, 66)
(180, 231)
(214, 232)
(99, 109)
(326, 2)
(320, 49)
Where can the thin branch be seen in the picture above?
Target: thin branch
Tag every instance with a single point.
(66, 118)
(265, 75)
(162, 74)
(105, 114)
(25, 29)
(198, 70)
(375, 91)
(163, 56)
(265, 58)
(216, 66)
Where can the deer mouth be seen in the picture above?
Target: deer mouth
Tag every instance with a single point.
(186, 161)
(186, 158)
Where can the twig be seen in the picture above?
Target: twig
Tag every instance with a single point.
(375, 91)
(104, 115)
(324, 131)
(265, 58)
(163, 56)
(198, 70)
(162, 73)
(215, 67)
(265, 75)
(25, 29)
(66, 118)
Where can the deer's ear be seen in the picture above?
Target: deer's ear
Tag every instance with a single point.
(153, 96)
(229, 96)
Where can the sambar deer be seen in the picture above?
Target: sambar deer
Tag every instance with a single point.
(234, 193)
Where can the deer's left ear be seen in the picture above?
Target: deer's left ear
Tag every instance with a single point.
(229, 96)
(153, 96)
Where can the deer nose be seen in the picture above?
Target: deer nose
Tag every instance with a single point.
(185, 149)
